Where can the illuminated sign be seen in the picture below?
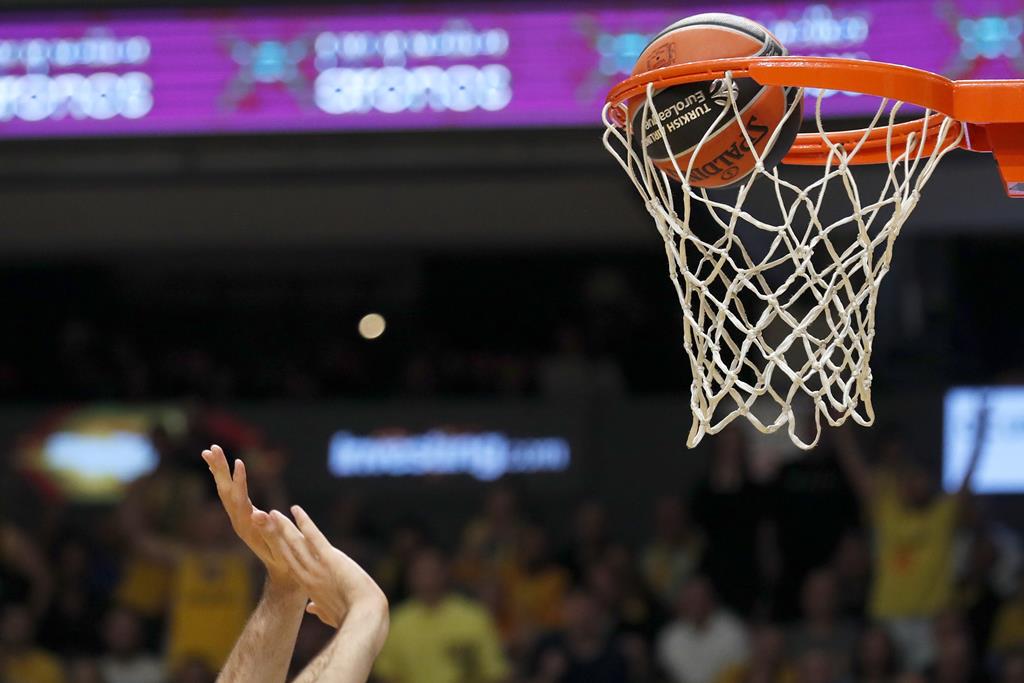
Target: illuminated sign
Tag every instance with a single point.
(419, 70)
(1000, 468)
(94, 76)
(483, 455)
(91, 453)
(119, 456)
(138, 72)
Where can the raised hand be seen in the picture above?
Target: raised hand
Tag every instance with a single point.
(335, 584)
(233, 490)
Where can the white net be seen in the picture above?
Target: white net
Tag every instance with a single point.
(778, 282)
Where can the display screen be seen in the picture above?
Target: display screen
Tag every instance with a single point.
(424, 67)
(1000, 466)
(485, 456)
(91, 453)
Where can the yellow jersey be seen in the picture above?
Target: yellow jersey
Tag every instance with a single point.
(211, 599)
(145, 586)
(913, 557)
(452, 642)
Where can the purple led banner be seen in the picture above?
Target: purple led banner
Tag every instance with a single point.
(389, 67)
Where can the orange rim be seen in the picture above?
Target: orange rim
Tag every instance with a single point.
(977, 103)
(811, 149)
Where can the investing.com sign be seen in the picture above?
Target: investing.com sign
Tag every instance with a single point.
(484, 455)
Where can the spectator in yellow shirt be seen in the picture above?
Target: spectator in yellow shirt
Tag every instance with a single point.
(211, 597)
(438, 636)
(490, 542)
(914, 528)
(159, 498)
(212, 591)
(534, 590)
(20, 661)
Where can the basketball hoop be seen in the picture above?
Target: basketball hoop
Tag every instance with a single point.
(778, 304)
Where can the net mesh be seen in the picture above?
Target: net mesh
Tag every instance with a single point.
(778, 293)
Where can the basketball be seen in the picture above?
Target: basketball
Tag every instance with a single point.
(687, 112)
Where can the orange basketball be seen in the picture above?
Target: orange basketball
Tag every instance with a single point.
(687, 112)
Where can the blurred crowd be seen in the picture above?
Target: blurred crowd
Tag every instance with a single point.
(833, 568)
(572, 327)
(96, 361)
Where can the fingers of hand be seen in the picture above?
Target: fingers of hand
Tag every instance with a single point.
(273, 543)
(266, 525)
(289, 543)
(233, 488)
(297, 541)
(218, 464)
(240, 488)
(260, 520)
(318, 542)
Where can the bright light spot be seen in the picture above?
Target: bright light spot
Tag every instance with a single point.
(372, 325)
(123, 456)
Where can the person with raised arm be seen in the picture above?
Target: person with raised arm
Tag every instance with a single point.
(304, 573)
(914, 525)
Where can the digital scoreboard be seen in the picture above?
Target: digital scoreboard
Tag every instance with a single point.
(423, 67)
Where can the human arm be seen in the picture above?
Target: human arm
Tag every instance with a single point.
(263, 653)
(977, 447)
(349, 656)
(342, 594)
